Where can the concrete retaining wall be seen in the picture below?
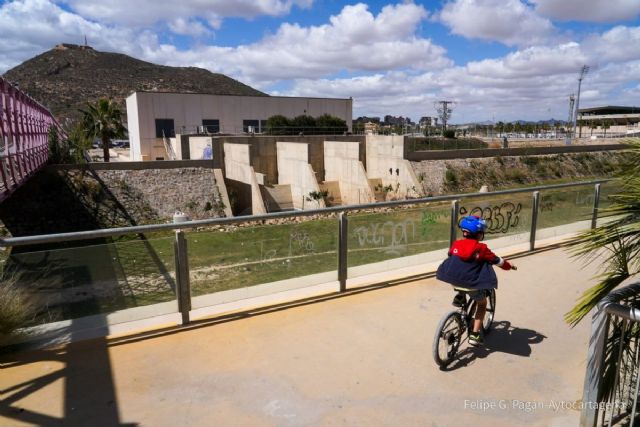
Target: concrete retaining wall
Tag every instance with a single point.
(342, 164)
(294, 169)
(70, 198)
(238, 167)
(385, 162)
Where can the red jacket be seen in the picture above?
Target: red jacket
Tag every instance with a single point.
(469, 265)
(471, 249)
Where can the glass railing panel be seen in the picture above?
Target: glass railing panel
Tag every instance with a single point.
(608, 189)
(243, 262)
(119, 281)
(565, 211)
(397, 238)
(508, 218)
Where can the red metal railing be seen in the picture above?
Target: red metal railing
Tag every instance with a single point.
(24, 129)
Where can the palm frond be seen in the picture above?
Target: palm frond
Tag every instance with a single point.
(616, 242)
(615, 272)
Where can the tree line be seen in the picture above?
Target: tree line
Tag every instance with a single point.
(325, 124)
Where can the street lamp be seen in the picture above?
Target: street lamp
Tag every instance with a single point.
(583, 72)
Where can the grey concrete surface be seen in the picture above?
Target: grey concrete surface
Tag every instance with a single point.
(359, 360)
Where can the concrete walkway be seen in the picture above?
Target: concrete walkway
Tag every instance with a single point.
(363, 359)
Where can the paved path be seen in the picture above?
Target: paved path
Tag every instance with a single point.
(363, 360)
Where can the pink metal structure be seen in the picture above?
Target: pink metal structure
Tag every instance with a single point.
(24, 128)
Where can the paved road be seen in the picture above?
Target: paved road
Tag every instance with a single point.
(362, 360)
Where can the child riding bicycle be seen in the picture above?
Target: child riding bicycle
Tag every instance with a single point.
(469, 268)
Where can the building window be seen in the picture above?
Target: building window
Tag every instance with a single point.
(165, 127)
(263, 126)
(251, 126)
(211, 125)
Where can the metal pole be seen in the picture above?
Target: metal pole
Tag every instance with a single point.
(183, 285)
(454, 222)
(595, 367)
(534, 220)
(343, 233)
(612, 398)
(596, 203)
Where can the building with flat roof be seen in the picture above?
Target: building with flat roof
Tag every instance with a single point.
(608, 120)
(154, 116)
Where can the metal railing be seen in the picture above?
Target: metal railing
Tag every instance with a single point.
(182, 289)
(24, 128)
(258, 130)
(612, 380)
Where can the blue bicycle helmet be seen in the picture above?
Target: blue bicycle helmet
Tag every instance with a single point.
(473, 224)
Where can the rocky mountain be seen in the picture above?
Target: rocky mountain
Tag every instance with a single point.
(68, 76)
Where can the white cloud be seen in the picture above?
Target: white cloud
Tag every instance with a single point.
(354, 40)
(618, 44)
(379, 59)
(188, 27)
(149, 12)
(532, 61)
(29, 27)
(530, 83)
(506, 21)
(589, 10)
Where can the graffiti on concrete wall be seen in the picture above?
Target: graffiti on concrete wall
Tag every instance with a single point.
(500, 218)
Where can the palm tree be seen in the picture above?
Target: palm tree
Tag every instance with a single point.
(103, 120)
(617, 239)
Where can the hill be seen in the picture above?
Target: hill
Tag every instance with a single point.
(67, 76)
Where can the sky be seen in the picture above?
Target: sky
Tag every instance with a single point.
(495, 59)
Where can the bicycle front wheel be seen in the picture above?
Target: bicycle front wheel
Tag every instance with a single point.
(447, 339)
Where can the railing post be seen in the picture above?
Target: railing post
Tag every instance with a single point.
(183, 285)
(454, 221)
(343, 234)
(595, 366)
(535, 204)
(596, 204)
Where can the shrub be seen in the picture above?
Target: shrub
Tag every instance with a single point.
(449, 133)
(516, 175)
(15, 309)
(450, 177)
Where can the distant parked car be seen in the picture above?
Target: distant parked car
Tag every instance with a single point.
(120, 143)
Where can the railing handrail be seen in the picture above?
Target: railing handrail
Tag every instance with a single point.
(119, 231)
(608, 306)
(611, 303)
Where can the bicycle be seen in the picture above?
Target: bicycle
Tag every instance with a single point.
(453, 326)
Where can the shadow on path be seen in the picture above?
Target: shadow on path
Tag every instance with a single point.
(503, 338)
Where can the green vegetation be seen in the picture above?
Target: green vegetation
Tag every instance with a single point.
(615, 245)
(509, 172)
(70, 150)
(323, 125)
(617, 239)
(103, 120)
(15, 308)
(449, 133)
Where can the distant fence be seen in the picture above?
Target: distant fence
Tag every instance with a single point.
(417, 156)
(24, 128)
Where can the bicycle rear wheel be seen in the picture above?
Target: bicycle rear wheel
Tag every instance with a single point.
(447, 338)
(488, 314)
